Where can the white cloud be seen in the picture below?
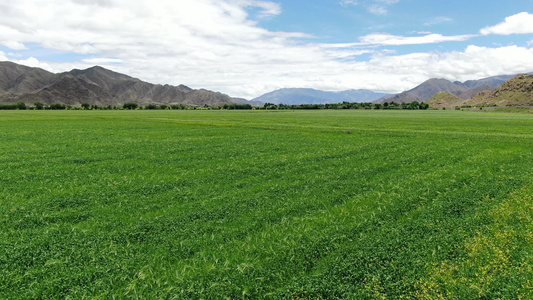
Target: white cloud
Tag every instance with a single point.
(390, 40)
(269, 8)
(388, 1)
(377, 10)
(102, 60)
(32, 62)
(347, 2)
(521, 23)
(13, 45)
(438, 20)
(376, 7)
(472, 63)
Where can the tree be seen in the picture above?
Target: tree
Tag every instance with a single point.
(85, 105)
(177, 106)
(57, 106)
(270, 106)
(130, 105)
(38, 105)
(21, 106)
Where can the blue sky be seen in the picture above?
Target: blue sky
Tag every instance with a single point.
(346, 21)
(249, 47)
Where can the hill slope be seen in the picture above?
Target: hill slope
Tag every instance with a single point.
(17, 79)
(295, 96)
(95, 85)
(517, 91)
(445, 100)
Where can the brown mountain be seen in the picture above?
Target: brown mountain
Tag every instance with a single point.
(431, 87)
(425, 91)
(469, 94)
(517, 91)
(445, 100)
(17, 79)
(95, 85)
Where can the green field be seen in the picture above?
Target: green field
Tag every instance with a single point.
(259, 204)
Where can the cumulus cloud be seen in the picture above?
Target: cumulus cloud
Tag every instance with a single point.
(521, 23)
(473, 63)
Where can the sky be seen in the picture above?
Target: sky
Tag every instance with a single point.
(246, 48)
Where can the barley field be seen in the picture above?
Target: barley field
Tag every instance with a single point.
(189, 204)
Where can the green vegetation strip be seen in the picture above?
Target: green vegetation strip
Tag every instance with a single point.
(259, 204)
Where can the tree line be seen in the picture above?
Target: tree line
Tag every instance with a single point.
(415, 105)
(87, 106)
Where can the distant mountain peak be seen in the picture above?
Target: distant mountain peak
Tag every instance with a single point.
(296, 96)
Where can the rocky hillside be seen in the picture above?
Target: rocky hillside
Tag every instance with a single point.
(17, 79)
(95, 85)
(517, 91)
(445, 100)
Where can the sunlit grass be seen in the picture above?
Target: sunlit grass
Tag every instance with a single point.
(305, 204)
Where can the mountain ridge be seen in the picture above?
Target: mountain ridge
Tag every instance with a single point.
(433, 86)
(517, 91)
(96, 85)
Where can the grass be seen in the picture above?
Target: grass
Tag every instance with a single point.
(255, 204)
(513, 110)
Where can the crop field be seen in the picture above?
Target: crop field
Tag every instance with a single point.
(266, 204)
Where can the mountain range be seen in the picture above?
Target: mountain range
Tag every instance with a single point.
(421, 93)
(517, 91)
(295, 96)
(463, 90)
(100, 86)
(97, 86)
